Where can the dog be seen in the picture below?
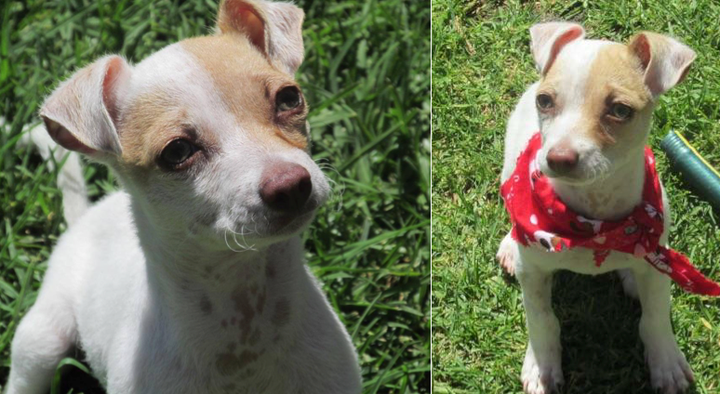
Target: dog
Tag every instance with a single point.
(588, 119)
(191, 278)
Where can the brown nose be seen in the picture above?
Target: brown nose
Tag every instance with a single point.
(562, 159)
(285, 187)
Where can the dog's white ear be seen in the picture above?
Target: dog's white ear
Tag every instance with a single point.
(664, 60)
(548, 39)
(82, 113)
(274, 28)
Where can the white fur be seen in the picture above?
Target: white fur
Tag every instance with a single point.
(70, 179)
(620, 180)
(186, 286)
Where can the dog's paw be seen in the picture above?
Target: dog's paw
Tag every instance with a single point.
(541, 377)
(506, 254)
(670, 372)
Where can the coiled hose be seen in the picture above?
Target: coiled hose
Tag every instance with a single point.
(693, 168)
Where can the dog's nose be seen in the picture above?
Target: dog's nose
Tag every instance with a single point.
(562, 159)
(285, 187)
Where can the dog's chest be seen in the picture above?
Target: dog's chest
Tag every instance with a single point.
(243, 356)
(229, 341)
(612, 202)
(580, 260)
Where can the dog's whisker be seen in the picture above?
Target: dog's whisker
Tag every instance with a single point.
(244, 245)
(242, 234)
(228, 243)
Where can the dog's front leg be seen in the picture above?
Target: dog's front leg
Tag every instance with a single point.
(542, 369)
(42, 339)
(669, 371)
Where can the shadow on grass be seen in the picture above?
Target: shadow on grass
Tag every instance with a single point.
(75, 381)
(602, 349)
(79, 382)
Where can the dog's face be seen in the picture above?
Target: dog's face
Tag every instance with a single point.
(595, 98)
(209, 135)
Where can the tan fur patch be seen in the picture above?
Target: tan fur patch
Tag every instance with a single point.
(151, 121)
(149, 124)
(615, 77)
(247, 83)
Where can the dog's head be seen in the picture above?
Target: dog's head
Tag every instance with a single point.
(595, 98)
(209, 134)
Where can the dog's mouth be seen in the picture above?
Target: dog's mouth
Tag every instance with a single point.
(266, 228)
(575, 177)
(287, 223)
(291, 223)
(572, 180)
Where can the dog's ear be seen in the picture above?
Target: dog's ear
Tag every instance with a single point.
(548, 39)
(82, 113)
(273, 28)
(665, 61)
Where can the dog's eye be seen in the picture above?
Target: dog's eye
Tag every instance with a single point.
(288, 98)
(621, 112)
(544, 101)
(177, 151)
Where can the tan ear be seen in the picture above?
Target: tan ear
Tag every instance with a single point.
(82, 113)
(548, 39)
(665, 61)
(275, 29)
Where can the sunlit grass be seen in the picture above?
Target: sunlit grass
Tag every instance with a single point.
(366, 77)
(481, 66)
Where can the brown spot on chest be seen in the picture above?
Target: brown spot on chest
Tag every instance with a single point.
(231, 347)
(270, 270)
(254, 337)
(260, 306)
(247, 357)
(281, 315)
(241, 301)
(205, 305)
(229, 364)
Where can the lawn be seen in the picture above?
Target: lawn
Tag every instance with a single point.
(481, 66)
(366, 77)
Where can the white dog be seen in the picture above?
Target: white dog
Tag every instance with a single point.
(191, 280)
(592, 108)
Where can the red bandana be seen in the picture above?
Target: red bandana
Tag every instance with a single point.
(540, 217)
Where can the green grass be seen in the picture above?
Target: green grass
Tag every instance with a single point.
(366, 76)
(481, 66)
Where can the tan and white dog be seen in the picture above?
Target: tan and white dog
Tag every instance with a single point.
(593, 106)
(208, 138)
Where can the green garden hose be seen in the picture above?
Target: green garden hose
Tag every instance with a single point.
(694, 169)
